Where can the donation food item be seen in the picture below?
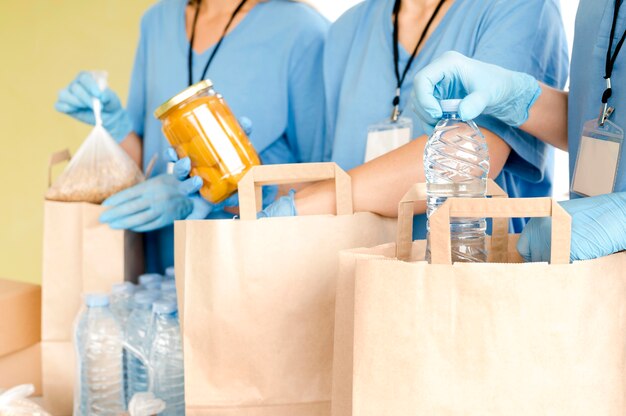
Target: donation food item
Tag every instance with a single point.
(99, 343)
(100, 167)
(456, 164)
(199, 124)
(14, 402)
(166, 357)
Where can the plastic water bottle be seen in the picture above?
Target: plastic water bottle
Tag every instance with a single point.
(121, 301)
(149, 278)
(170, 273)
(98, 338)
(456, 164)
(137, 341)
(168, 290)
(166, 357)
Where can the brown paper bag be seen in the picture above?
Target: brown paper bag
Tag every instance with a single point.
(20, 316)
(21, 367)
(344, 308)
(258, 300)
(493, 338)
(80, 255)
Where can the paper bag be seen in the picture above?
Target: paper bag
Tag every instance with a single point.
(344, 308)
(21, 367)
(80, 255)
(492, 338)
(258, 299)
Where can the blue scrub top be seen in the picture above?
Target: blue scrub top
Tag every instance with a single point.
(359, 76)
(268, 69)
(591, 41)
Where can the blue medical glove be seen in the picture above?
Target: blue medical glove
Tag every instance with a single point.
(598, 229)
(485, 89)
(284, 207)
(76, 100)
(148, 206)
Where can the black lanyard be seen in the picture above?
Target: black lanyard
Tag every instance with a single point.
(611, 57)
(217, 46)
(396, 54)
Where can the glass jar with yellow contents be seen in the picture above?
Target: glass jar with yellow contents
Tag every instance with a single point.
(199, 124)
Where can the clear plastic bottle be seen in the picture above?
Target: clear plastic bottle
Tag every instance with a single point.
(170, 273)
(149, 278)
(98, 338)
(137, 341)
(121, 300)
(168, 290)
(456, 164)
(166, 357)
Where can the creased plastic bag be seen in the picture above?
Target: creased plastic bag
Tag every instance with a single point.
(13, 402)
(100, 167)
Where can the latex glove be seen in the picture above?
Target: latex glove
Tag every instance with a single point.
(76, 100)
(485, 89)
(284, 207)
(598, 229)
(148, 206)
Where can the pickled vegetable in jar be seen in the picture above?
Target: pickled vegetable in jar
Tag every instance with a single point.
(199, 124)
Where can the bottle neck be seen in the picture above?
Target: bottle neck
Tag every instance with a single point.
(450, 115)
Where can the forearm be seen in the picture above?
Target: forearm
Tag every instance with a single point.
(132, 144)
(547, 118)
(379, 185)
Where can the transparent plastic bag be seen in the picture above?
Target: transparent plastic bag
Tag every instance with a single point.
(100, 167)
(14, 402)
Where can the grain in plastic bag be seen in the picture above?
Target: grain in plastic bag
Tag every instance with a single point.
(100, 167)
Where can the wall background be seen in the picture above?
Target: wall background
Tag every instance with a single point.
(44, 44)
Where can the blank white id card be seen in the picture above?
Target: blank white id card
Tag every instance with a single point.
(386, 136)
(598, 159)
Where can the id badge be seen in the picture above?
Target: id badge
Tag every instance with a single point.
(597, 161)
(387, 136)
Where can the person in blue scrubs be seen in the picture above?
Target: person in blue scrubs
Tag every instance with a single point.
(268, 67)
(360, 83)
(565, 120)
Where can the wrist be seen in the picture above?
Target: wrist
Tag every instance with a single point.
(316, 199)
(119, 126)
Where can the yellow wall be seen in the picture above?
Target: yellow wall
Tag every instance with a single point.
(43, 45)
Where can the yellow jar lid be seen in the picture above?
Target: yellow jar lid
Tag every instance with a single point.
(182, 96)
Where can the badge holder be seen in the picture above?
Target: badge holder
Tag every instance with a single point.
(387, 135)
(598, 157)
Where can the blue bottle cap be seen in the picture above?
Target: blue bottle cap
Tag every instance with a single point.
(168, 286)
(450, 106)
(144, 279)
(125, 287)
(94, 300)
(163, 307)
(170, 272)
(145, 297)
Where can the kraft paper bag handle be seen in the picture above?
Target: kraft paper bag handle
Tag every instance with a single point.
(250, 191)
(440, 246)
(56, 158)
(404, 237)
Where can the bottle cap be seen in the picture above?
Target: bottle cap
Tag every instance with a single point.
(168, 286)
(94, 300)
(144, 279)
(125, 287)
(145, 297)
(163, 307)
(450, 106)
(170, 272)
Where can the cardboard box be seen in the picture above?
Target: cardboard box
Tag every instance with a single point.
(21, 367)
(58, 375)
(20, 316)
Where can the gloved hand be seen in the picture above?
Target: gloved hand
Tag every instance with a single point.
(486, 88)
(148, 206)
(283, 207)
(598, 229)
(76, 100)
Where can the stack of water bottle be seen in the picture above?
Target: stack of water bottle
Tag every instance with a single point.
(129, 342)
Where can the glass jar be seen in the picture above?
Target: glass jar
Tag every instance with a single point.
(199, 124)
